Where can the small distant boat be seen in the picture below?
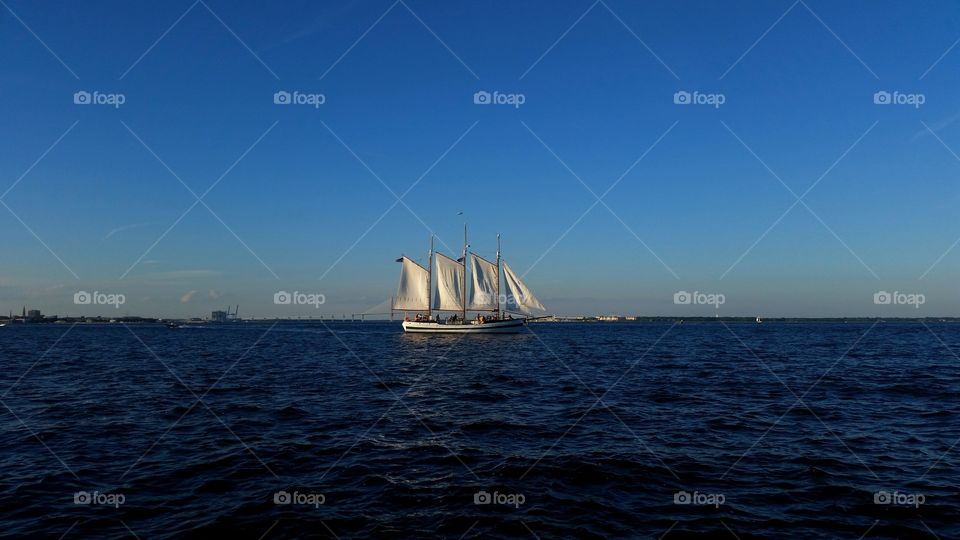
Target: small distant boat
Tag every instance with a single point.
(172, 325)
(758, 319)
(420, 287)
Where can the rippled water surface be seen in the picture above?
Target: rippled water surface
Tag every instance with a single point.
(574, 430)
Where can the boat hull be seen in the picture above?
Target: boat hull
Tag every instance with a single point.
(512, 326)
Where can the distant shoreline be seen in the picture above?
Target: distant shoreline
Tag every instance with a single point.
(548, 320)
(660, 318)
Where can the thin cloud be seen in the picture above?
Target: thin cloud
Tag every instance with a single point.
(186, 298)
(937, 126)
(127, 228)
(320, 23)
(174, 275)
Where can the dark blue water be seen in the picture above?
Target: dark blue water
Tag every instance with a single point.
(581, 430)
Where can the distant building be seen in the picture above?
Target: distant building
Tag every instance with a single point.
(219, 316)
(34, 315)
(609, 318)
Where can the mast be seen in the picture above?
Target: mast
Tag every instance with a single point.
(498, 276)
(463, 290)
(430, 279)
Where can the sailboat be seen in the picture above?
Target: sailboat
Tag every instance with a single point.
(495, 312)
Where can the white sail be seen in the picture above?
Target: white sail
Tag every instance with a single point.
(414, 291)
(449, 283)
(485, 279)
(519, 297)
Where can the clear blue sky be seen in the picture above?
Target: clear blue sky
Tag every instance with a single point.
(598, 81)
